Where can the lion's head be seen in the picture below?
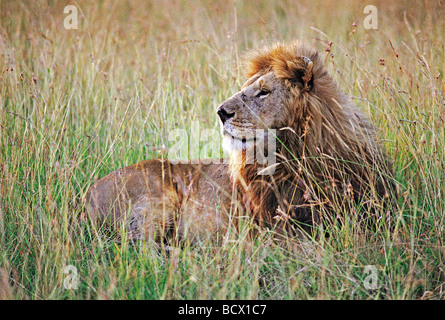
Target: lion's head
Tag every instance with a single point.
(262, 104)
(277, 78)
(323, 140)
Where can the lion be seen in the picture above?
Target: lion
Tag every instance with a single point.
(327, 158)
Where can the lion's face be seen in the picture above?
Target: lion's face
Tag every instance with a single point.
(248, 114)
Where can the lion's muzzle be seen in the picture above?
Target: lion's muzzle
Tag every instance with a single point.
(223, 114)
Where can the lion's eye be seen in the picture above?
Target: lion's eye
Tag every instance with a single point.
(263, 93)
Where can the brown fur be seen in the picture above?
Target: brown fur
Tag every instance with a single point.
(327, 155)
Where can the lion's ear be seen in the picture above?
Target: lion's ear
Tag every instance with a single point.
(298, 71)
(308, 77)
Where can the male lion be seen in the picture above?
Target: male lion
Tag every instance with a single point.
(326, 151)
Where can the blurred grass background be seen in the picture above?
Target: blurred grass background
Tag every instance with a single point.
(78, 104)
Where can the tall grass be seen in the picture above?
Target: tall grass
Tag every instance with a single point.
(78, 104)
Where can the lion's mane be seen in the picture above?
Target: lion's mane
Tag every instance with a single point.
(327, 156)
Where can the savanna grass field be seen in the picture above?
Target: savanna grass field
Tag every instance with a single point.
(77, 103)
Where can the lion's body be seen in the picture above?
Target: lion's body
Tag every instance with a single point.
(155, 198)
(326, 150)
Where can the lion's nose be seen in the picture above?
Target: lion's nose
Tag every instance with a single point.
(223, 114)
